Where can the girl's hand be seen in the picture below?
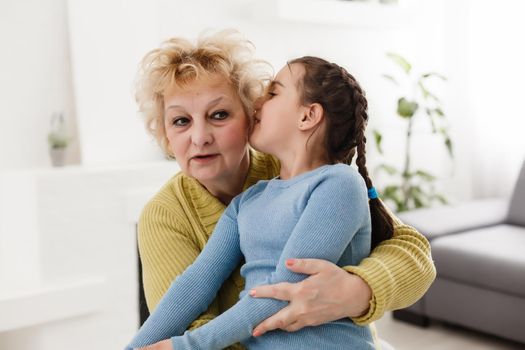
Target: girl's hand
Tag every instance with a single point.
(161, 345)
(328, 294)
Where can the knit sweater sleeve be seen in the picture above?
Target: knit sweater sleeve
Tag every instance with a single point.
(339, 206)
(399, 271)
(166, 250)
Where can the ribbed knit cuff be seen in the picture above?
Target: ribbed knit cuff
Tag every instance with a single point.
(398, 271)
(372, 272)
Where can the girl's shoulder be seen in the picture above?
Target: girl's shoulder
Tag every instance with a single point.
(342, 177)
(339, 172)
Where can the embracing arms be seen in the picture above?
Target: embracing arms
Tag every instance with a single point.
(397, 273)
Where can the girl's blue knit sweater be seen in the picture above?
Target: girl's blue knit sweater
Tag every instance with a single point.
(322, 214)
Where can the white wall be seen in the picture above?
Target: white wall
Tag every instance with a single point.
(280, 30)
(496, 74)
(36, 80)
(68, 255)
(94, 83)
(108, 38)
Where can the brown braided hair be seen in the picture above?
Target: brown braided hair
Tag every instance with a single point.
(345, 108)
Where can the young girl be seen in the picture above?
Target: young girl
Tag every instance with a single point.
(313, 120)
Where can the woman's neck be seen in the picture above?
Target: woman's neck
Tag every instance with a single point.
(228, 186)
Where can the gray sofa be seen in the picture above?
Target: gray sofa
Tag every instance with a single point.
(479, 252)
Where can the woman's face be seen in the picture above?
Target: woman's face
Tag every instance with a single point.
(207, 129)
(278, 112)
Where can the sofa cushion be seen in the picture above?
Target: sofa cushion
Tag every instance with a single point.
(439, 221)
(517, 203)
(492, 257)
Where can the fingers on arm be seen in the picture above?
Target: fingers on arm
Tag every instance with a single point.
(280, 291)
(280, 320)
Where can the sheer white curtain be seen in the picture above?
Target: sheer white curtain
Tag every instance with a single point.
(496, 78)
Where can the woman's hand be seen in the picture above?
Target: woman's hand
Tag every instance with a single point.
(161, 345)
(329, 294)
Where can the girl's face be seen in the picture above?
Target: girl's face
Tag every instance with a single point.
(207, 129)
(279, 112)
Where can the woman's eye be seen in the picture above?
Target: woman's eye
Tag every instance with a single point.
(271, 94)
(219, 115)
(181, 121)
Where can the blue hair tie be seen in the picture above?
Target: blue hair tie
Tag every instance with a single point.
(372, 193)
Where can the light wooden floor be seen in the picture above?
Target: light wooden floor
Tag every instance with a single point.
(404, 336)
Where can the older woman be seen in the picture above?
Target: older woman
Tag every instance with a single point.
(198, 101)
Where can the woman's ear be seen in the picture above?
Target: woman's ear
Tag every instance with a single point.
(313, 116)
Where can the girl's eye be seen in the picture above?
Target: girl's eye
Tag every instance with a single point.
(271, 94)
(219, 115)
(180, 121)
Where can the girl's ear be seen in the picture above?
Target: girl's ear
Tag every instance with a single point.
(313, 116)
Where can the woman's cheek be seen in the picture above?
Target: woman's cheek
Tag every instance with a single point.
(235, 136)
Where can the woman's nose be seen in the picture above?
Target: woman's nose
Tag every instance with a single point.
(201, 134)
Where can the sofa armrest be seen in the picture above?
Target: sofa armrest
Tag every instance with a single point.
(438, 221)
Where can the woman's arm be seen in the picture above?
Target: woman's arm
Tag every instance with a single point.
(396, 274)
(166, 250)
(196, 287)
(399, 271)
(337, 206)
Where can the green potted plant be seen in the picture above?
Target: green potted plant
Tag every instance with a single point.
(58, 140)
(411, 187)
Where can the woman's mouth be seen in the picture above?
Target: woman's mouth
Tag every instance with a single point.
(205, 158)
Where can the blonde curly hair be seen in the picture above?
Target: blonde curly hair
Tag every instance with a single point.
(179, 62)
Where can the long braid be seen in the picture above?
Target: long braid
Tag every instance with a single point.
(345, 107)
(382, 224)
(361, 120)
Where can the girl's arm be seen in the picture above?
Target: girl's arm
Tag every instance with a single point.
(191, 292)
(336, 210)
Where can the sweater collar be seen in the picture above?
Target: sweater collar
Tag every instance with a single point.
(208, 208)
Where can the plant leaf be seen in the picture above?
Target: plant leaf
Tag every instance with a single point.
(434, 74)
(425, 175)
(406, 108)
(439, 112)
(392, 193)
(432, 122)
(400, 61)
(417, 195)
(426, 93)
(448, 143)
(418, 202)
(390, 170)
(391, 78)
(378, 138)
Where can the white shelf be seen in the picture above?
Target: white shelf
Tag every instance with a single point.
(51, 303)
